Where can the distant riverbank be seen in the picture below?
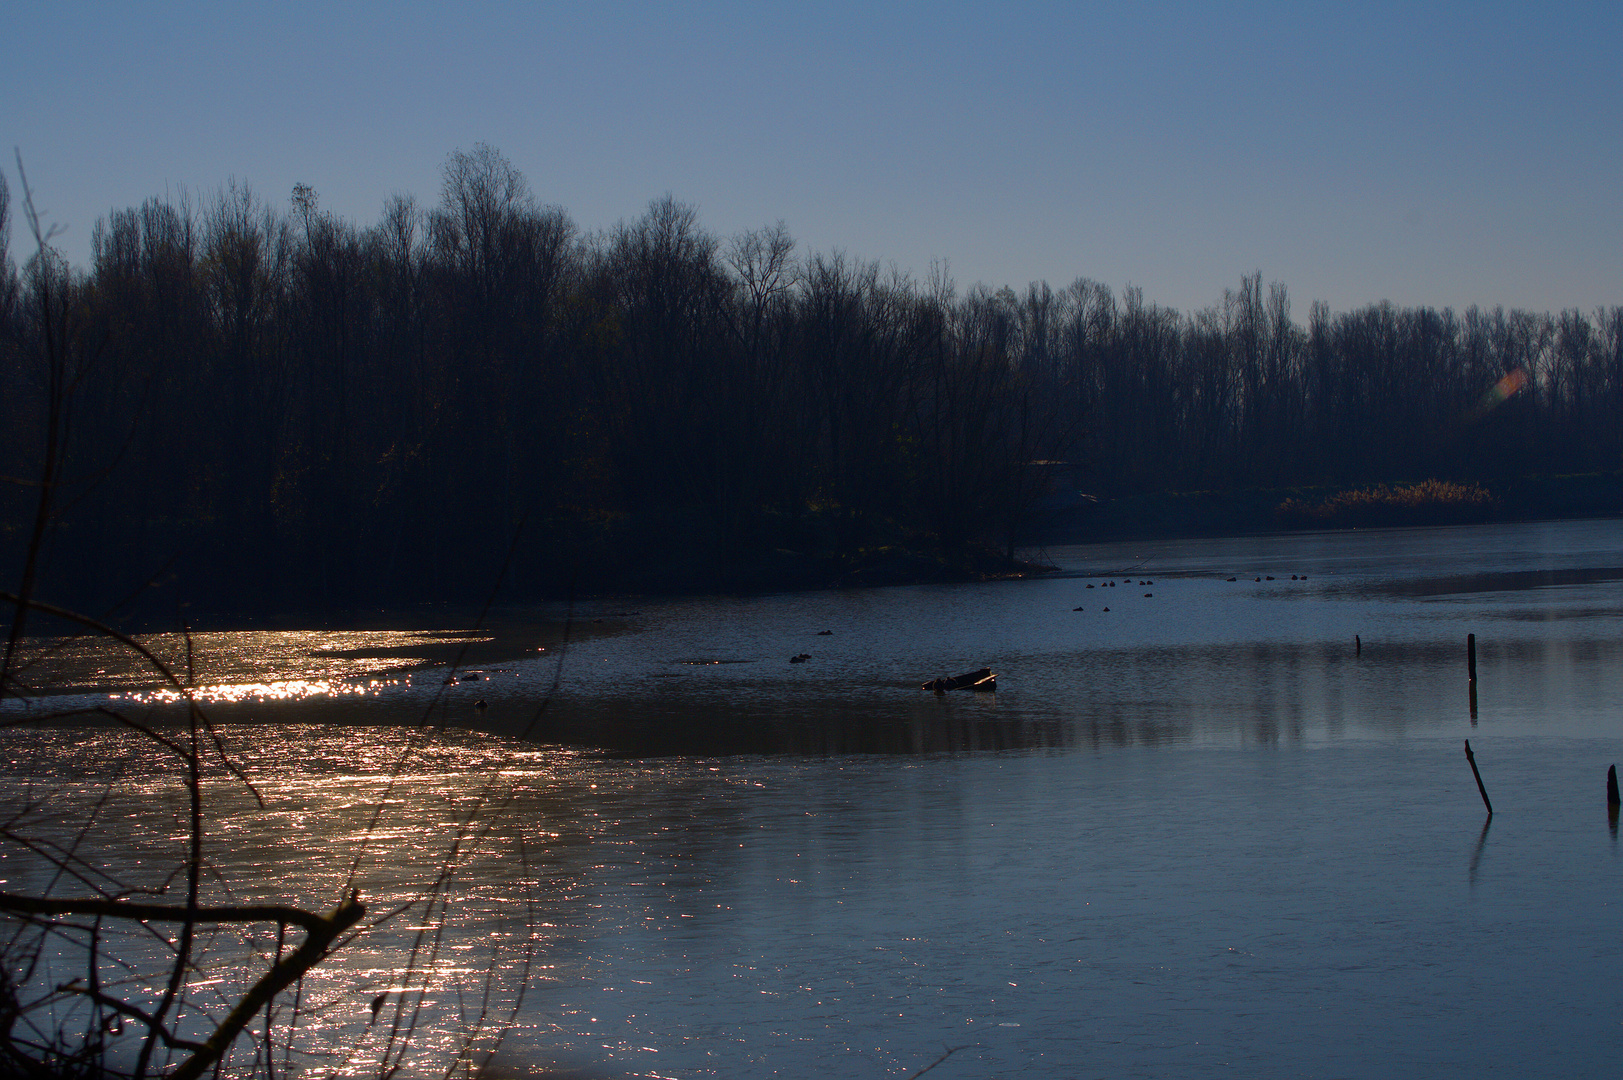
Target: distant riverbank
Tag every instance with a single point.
(1173, 515)
(1071, 518)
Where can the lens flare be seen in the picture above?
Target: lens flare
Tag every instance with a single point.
(1502, 391)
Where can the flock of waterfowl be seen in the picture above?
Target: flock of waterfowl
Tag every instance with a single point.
(985, 678)
(1112, 585)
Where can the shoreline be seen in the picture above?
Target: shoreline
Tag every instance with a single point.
(1070, 519)
(1189, 515)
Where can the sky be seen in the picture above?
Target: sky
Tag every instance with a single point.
(1438, 154)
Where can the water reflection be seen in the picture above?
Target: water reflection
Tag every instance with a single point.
(1504, 581)
(465, 851)
(1064, 913)
(1215, 830)
(1365, 642)
(1476, 853)
(326, 661)
(281, 690)
(653, 728)
(1272, 693)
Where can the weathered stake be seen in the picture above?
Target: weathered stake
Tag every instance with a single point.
(1482, 790)
(1358, 645)
(1472, 695)
(1612, 799)
(1470, 657)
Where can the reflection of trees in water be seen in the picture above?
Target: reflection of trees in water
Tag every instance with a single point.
(1240, 693)
(637, 727)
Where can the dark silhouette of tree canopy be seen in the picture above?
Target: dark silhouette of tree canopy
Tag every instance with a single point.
(296, 412)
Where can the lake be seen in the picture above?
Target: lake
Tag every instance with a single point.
(1223, 828)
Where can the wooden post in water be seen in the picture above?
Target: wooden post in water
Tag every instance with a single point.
(1480, 789)
(1358, 645)
(1470, 668)
(1612, 799)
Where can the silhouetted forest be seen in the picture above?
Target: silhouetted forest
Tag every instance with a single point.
(289, 411)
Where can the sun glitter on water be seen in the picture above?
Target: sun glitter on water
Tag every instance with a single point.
(281, 690)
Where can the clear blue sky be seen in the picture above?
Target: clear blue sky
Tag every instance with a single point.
(1445, 154)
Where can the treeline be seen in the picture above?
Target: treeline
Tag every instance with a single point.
(295, 412)
(1240, 395)
(292, 411)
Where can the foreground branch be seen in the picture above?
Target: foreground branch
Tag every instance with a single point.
(126, 909)
(321, 931)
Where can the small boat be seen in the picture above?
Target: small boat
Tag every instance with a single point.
(984, 679)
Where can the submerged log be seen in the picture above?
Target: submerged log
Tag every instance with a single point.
(982, 679)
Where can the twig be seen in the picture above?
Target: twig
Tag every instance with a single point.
(126, 1009)
(273, 982)
(951, 1050)
(126, 909)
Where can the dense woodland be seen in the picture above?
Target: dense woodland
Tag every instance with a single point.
(262, 407)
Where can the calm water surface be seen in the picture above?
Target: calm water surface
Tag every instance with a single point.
(1198, 834)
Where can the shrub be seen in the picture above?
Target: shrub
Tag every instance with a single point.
(1430, 502)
